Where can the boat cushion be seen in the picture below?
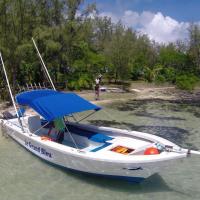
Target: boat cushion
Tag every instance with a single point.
(99, 137)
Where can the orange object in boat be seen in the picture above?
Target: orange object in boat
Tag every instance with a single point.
(46, 138)
(151, 151)
(122, 150)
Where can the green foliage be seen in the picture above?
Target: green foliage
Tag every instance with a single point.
(76, 47)
(170, 74)
(186, 81)
(194, 45)
(118, 53)
(151, 74)
(83, 82)
(170, 56)
(137, 72)
(164, 74)
(160, 79)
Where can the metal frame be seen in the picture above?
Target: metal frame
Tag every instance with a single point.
(10, 91)
(43, 64)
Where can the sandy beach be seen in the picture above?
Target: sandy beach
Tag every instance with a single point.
(140, 91)
(168, 93)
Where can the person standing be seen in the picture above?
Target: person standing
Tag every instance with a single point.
(97, 86)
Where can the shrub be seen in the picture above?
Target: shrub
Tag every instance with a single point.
(169, 74)
(73, 85)
(4, 95)
(83, 82)
(137, 72)
(154, 74)
(160, 79)
(149, 75)
(186, 81)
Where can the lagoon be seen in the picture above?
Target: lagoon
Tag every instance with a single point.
(24, 176)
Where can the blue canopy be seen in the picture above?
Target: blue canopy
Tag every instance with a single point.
(52, 104)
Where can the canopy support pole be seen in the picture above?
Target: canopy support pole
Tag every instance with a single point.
(76, 146)
(11, 95)
(43, 64)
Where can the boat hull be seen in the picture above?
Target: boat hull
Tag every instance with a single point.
(135, 172)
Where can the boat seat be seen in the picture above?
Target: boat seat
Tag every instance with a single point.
(99, 137)
(34, 123)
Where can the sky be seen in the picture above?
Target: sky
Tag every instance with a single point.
(162, 20)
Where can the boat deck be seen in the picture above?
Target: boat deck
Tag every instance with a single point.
(87, 140)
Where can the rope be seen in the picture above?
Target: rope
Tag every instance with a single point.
(86, 116)
(71, 137)
(39, 128)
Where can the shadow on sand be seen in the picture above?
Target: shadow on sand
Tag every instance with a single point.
(140, 107)
(150, 115)
(154, 183)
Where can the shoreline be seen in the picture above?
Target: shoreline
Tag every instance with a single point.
(145, 94)
(168, 93)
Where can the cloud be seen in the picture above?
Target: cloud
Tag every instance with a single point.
(130, 17)
(162, 29)
(165, 29)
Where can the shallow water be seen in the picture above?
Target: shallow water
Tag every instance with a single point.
(25, 177)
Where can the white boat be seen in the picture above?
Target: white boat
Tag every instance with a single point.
(101, 151)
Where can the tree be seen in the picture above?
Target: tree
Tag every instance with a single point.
(169, 56)
(194, 44)
(77, 44)
(118, 52)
